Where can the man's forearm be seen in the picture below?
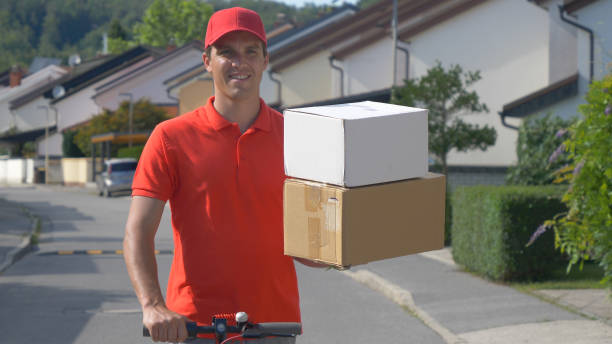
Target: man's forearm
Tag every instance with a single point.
(142, 268)
(139, 249)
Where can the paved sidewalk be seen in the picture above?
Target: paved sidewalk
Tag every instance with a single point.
(15, 230)
(594, 305)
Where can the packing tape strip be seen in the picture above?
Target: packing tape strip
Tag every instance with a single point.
(314, 237)
(312, 198)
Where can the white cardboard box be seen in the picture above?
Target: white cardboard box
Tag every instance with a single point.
(356, 144)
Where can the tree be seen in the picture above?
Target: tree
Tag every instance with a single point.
(116, 30)
(538, 139)
(443, 93)
(146, 117)
(173, 22)
(585, 231)
(69, 148)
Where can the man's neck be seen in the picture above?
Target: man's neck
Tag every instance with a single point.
(243, 112)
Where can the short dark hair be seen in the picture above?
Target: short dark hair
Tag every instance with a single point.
(208, 50)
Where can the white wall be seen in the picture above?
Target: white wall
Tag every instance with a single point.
(597, 17)
(16, 171)
(149, 83)
(369, 69)
(29, 116)
(308, 80)
(507, 41)
(562, 46)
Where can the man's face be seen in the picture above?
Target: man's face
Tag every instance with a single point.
(236, 64)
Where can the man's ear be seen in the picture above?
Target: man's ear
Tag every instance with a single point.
(206, 60)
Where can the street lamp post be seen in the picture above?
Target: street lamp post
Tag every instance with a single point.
(394, 42)
(131, 114)
(46, 142)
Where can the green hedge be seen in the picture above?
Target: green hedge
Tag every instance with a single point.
(492, 225)
(133, 152)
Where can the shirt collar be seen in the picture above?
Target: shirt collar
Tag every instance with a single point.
(218, 122)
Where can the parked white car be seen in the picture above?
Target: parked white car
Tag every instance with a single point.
(118, 175)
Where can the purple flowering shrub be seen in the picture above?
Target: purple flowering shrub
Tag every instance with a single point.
(540, 151)
(584, 232)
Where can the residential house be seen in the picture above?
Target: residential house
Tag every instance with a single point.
(580, 47)
(73, 103)
(508, 41)
(16, 126)
(147, 81)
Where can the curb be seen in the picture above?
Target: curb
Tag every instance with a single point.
(404, 299)
(26, 246)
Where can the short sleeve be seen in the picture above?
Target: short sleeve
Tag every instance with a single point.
(153, 177)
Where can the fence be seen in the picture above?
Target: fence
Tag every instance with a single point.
(67, 171)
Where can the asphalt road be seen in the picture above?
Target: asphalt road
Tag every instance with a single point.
(48, 297)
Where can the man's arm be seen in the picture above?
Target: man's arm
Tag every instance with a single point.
(139, 253)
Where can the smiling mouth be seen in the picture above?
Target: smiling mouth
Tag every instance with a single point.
(239, 76)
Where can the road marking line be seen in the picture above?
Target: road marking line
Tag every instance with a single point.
(65, 252)
(94, 251)
(403, 298)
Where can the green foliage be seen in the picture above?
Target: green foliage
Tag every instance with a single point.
(271, 11)
(444, 93)
(69, 148)
(492, 224)
(585, 230)
(130, 152)
(146, 117)
(116, 30)
(538, 139)
(173, 22)
(366, 3)
(59, 28)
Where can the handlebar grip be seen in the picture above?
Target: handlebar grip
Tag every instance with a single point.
(273, 329)
(192, 330)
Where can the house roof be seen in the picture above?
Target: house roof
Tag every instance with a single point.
(575, 5)
(103, 70)
(31, 82)
(85, 74)
(352, 33)
(26, 136)
(40, 62)
(157, 61)
(288, 37)
(569, 6)
(542, 98)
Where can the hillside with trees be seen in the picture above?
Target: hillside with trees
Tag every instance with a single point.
(60, 28)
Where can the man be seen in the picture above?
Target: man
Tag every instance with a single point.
(221, 168)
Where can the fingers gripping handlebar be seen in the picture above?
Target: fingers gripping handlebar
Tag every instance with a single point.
(247, 330)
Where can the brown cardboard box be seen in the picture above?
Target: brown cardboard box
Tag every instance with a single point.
(350, 226)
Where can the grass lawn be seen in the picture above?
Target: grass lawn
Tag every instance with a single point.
(587, 278)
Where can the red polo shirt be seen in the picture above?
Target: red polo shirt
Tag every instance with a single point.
(225, 192)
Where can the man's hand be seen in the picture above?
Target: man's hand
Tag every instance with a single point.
(164, 325)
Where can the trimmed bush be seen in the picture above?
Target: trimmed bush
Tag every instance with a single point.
(127, 152)
(493, 224)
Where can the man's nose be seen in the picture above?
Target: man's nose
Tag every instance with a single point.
(236, 60)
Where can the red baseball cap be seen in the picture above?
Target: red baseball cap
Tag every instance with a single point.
(234, 19)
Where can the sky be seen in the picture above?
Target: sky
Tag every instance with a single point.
(299, 3)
